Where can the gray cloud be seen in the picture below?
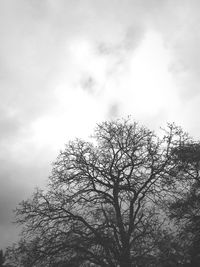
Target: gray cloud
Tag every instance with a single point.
(88, 84)
(113, 111)
(20, 173)
(129, 41)
(179, 22)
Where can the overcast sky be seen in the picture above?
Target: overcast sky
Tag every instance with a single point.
(67, 64)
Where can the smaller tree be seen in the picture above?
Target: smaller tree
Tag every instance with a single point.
(2, 258)
(184, 208)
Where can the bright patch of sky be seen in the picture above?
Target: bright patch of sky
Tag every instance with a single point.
(141, 85)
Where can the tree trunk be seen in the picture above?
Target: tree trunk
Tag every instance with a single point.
(125, 260)
(125, 263)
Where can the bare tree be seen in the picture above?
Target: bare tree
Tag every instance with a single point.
(100, 205)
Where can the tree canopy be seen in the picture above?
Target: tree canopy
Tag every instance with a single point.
(108, 201)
